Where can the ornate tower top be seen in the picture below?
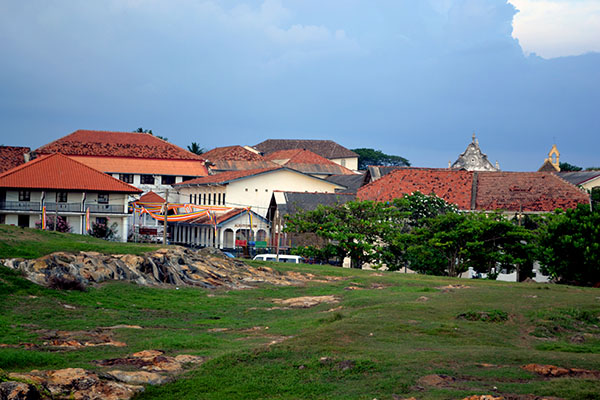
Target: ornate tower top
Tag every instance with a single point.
(552, 163)
(473, 159)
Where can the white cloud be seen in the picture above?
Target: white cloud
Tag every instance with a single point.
(555, 28)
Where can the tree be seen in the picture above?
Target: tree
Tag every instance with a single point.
(569, 246)
(196, 149)
(566, 167)
(142, 130)
(352, 230)
(368, 157)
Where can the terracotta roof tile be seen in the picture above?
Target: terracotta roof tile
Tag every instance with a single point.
(325, 148)
(531, 191)
(151, 197)
(507, 191)
(225, 177)
(452, 186)
(308, 162)
(127, 165)
(12, 156)
(59, 172)
(117, 144)
(232, 153)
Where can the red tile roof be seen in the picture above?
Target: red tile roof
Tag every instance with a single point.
(117, 144)
(232, 153)
(12, 156)
(225, 177)
(324, 148)
(308, 162)
(125, 165)
(58, 172)
(452, 186)
(529, 191)
(507, 191)
(151, 197)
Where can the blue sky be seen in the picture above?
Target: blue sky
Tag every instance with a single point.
(412, 78)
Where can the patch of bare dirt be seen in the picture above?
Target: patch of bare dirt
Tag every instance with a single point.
(73, 340)
(552, 371)
(437, 380)
(307, 301)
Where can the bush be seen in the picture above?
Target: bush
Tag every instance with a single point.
(63, 224)
(103, 231)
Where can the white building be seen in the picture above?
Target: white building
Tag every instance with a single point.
(66, 188)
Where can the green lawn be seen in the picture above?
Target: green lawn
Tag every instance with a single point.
(381, 341)
(34, 243)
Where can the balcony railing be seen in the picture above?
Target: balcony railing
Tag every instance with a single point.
(61, 207)
(64, 207)
(106, 208)
(20, 205)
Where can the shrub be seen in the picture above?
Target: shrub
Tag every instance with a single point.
(63, 224)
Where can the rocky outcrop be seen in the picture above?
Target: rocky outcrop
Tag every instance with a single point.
(174, 266)
(151, 367)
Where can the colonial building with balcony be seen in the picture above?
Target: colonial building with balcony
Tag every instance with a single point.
(139, 159)
(65, 188)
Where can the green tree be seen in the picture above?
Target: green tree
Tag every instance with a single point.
(566, 167)
(368, 157)
(352, 230)
(196, 149)
(569, 246)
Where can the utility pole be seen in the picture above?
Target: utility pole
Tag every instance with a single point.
(165, 219)
(277, 233)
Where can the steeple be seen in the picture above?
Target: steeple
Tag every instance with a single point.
(552, 163)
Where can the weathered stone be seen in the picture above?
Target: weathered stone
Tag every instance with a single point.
(553, 371)
(139, 377)
(18, 391)
(307, 301)
(175, 266)
(187, 359)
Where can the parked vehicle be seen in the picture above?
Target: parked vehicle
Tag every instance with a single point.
(282, 258)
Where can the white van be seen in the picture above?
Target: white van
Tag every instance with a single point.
(282, 258)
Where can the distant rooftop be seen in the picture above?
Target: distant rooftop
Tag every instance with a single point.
(325, 148)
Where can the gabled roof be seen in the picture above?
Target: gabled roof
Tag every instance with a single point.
(231, 153)
(325, 148)
(126, 165)
(352, 182)
(116, 144)
(375, 172)
(59, 172)
(454, 186)
(225, 177)
(151, 197)
(485, 190)
(308, 162)
(293, 202)
(579, 177)
(526, 191)
(547, 166)
(12, 156)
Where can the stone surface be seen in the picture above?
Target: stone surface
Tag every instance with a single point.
(553, 371)
(436, 380)
(18, 391)
(307, 301)
(139, 377)
(172, 266)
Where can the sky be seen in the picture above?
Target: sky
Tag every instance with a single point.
(410, 78)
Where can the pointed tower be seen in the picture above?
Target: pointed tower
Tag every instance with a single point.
(473, 159)
(552, 163)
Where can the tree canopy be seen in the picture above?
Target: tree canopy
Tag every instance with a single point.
(368, 157)
(196, 149)
(142, 130)
(566, 167)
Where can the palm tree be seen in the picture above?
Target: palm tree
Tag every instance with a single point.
(196, 149)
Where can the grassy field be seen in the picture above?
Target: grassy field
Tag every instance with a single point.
(379, 341)
(34, 243)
